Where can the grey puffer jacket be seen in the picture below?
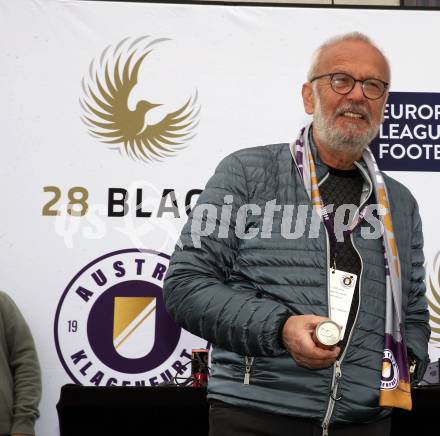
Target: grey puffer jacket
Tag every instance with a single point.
(237, 292)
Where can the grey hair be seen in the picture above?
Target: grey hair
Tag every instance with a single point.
(352, 36)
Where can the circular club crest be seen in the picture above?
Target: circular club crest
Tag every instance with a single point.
(390, 371)
(347, 280)
(111, 326)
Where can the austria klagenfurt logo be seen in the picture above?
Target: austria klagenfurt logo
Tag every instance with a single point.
(390, 371)
(117, 110)
(111, 326)
(346, 280)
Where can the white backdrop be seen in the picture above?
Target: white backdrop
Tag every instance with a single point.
(245, 64)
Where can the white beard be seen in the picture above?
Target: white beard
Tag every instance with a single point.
(350, 140)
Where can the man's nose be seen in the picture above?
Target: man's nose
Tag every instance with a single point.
(356, 93)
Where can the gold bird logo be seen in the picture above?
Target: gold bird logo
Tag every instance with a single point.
(107, 89)
(434, 302)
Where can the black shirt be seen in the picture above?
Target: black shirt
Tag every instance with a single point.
(344, 187)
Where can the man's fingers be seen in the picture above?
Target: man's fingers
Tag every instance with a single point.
(318, 353)
(315, 363)
(317, 357)
(297, 338)
(310, 350)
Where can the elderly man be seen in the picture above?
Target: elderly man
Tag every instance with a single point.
(260, 293)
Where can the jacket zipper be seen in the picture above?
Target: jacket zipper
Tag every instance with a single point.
(323, 179)
(337, 372)
(336, 365)
(248, 361)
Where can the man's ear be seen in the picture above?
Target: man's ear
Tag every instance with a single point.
(307, 95)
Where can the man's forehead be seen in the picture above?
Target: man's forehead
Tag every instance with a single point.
(354, 56)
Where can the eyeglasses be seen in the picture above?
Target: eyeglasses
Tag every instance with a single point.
(343, 84)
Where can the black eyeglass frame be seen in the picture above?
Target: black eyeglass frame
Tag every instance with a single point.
(362, 82)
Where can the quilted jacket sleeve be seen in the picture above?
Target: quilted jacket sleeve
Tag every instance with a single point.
(23, 363)
(417, 314)
(196, 291)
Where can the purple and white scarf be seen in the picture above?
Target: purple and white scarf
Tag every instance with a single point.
(395, 389)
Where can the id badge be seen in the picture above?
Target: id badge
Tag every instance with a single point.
(342, 286)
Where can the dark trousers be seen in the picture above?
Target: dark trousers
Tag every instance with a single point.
(228, 420)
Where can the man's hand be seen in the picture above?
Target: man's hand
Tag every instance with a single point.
(297, 337)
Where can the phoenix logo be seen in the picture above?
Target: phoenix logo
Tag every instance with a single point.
(434, 302)
(105, 103)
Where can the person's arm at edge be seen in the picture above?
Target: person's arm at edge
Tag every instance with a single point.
(25, 369)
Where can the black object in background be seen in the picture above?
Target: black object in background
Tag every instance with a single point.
(422, 420)
(176, 410)
(124, 411)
